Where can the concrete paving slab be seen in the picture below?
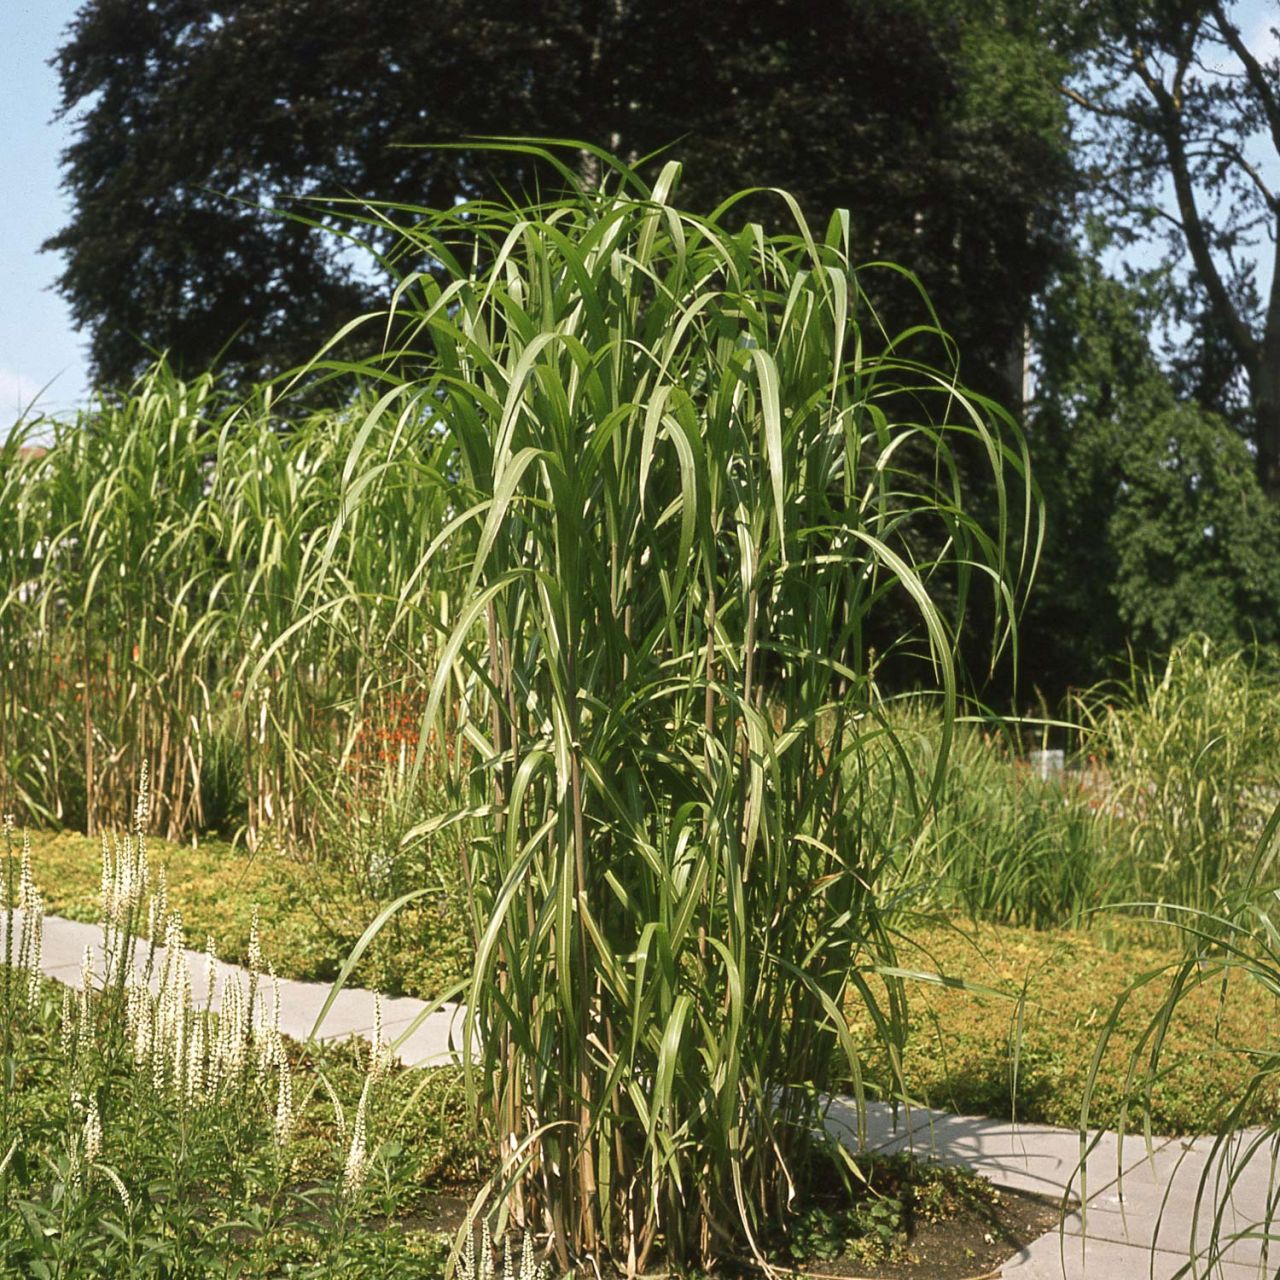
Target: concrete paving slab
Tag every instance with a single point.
(880, 1127)
(352, 1012)
(1197, 1198)
(1054, 1257)
(1025, 1157)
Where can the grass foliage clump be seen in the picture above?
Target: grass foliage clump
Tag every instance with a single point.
(998, 842)
(1192, 759)
(1171, 775)
(233, 596)
(676, 458)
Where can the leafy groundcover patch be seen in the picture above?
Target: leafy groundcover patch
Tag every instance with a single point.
(1027, 1052)
(309, 915)
(913, 1220)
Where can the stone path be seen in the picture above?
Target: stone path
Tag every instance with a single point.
(417, 1039)
(1147, 1212)
(1139, 1217)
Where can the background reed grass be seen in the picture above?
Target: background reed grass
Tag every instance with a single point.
(226, 592)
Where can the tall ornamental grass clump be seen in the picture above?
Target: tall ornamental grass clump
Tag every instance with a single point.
(105, 576)
(1191, 753)
(221, 590)
(685, 466)
(1000, 842)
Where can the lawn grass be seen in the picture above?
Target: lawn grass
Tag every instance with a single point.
(309, 917)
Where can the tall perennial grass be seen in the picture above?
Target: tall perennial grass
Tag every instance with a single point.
(684, 467)
(222, 591)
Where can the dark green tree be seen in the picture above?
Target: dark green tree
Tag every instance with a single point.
(201, 123)
(1179, 97)
(1156, 524)
(1197, 545)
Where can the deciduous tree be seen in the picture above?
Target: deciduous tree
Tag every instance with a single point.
(1182, 111)
(935, 123)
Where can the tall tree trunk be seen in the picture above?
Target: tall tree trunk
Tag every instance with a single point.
(1266, 407)
(1264, 391)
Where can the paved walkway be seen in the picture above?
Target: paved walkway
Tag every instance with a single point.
(1147, 1212)
(416, 1038)
(1139, 1217)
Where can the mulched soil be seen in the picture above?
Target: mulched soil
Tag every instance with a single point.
(972, 1245)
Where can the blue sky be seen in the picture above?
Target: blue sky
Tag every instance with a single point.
(37, 343)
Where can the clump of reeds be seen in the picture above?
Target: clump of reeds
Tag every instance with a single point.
(682, 463)
(249, 602)
(1191, 754)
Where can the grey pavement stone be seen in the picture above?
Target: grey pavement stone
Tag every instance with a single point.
(433, 1042)
(1054, 1257)
(1200, 1198)
(1026, 1157)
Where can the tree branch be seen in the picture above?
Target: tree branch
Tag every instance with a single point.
(1234, 153)
(1253, 70)
(1094, 108)
(1193, 228)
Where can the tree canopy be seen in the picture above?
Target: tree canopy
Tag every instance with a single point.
(1157, 523)
(200, 124)
(223, 151)
(1177, 97)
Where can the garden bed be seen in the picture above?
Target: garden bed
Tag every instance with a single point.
(1027, 1052)
(966, 1050)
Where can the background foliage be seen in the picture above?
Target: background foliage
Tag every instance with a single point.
(1004, 150)
(935, 124)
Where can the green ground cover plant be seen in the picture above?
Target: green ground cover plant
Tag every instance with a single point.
(1025, 1047)
(310, 914)
(960, 1050)
(143, 1134)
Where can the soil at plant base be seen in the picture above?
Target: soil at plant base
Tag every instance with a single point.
(438, 1213)
(981, 1228)
(974, 1242)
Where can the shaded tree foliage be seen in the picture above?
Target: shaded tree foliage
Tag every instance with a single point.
(936, 123)
(1156, 522)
